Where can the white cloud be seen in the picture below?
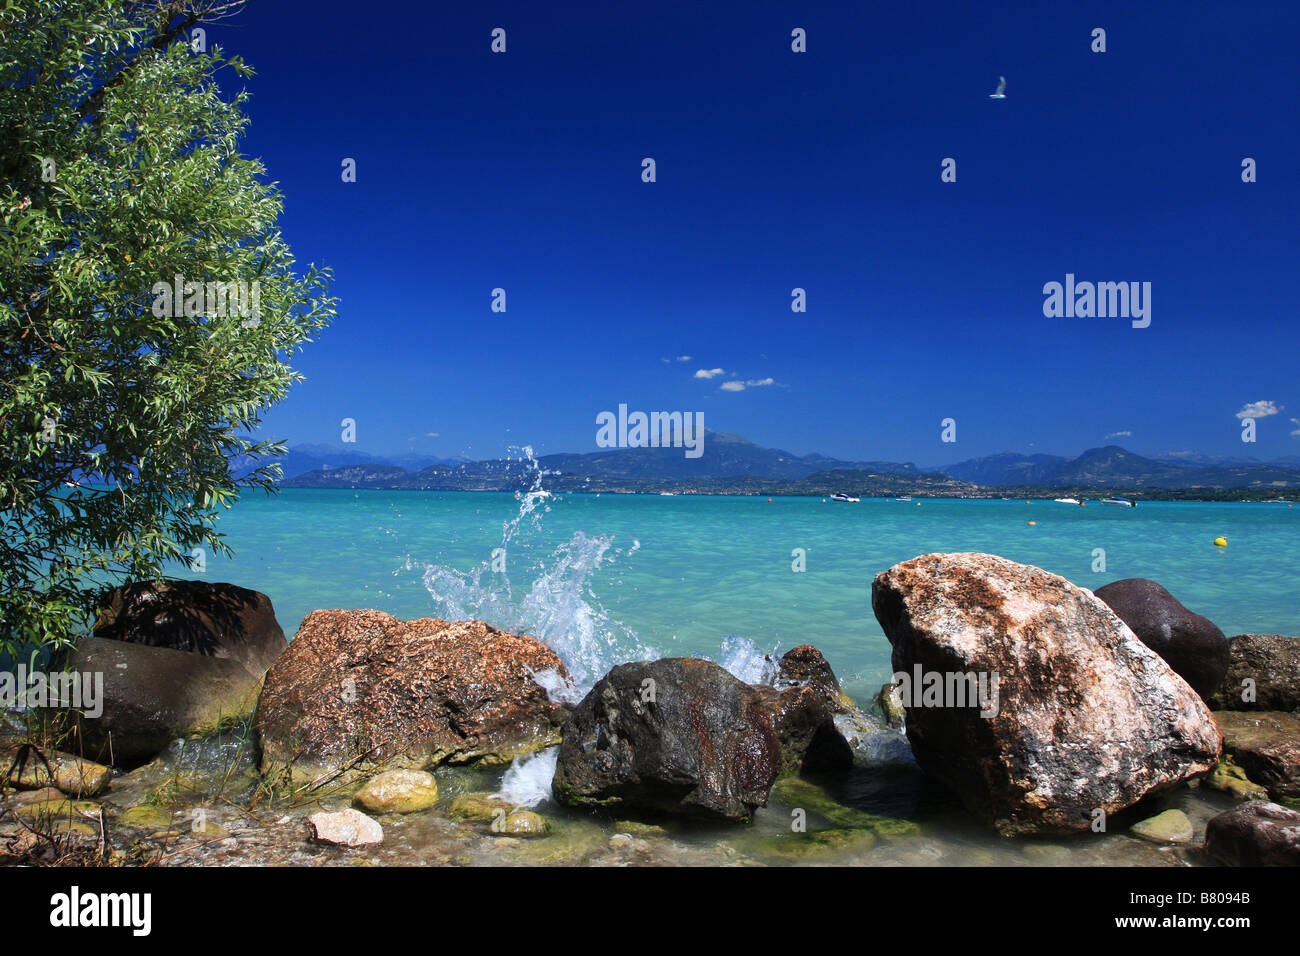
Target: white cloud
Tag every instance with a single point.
(1260, 409)
(739, 386)
(1123, 434)
(683, 358)
(1296, 433)
(430, 434)
(709, 372)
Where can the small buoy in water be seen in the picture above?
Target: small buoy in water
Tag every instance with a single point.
(769, 501)
(1220, 542)
(1081, 504)
(1032, 522)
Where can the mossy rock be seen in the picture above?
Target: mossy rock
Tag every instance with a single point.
(801, 793)
(639, 828)
(800, 846)
(522, 823)
(478, 807)
(146, 817)
(1228, 778)
(1172, 826)
(57, 809)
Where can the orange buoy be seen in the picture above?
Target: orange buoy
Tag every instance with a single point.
(1033, 522)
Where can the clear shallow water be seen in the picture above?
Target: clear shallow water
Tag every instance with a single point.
(618, 577)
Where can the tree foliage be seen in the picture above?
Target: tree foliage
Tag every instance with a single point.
(126, 422)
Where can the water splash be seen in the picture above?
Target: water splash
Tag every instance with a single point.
(527, 781)
(559, 608)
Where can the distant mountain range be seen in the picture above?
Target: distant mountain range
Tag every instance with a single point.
(731, 464)
(1115, 467)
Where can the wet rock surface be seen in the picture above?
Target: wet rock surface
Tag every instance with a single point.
(1269, 664)
(679, 735)
(1087, 717)
(360, 691)
(802, 704)
(153, 695)
(1255, 834)
(1189, 643)
(1266, 745)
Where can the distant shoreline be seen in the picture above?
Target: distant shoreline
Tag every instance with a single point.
(1094, 495)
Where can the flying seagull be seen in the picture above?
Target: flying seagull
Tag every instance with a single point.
(1001, 93)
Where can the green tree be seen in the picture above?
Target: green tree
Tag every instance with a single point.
(127, 420)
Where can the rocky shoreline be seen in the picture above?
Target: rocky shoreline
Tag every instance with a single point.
(1031, 722)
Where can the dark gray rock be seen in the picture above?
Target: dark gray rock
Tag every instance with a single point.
(679, 735)
(1191, 644)
(179, 658)
(1255, 834)
(1271, 663)
(211, 619)
(154, 695)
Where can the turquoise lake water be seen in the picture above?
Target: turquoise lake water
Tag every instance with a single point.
(607, 578)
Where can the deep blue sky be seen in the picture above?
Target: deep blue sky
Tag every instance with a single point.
(776, 170)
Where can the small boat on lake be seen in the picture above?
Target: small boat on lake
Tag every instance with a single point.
(843, 497)
(1119, 502)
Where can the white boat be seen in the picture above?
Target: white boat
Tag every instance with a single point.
(1119, 502)
(1066, 501)
(843, 497)
(904, 498)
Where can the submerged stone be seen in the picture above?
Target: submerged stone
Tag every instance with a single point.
(399, 791)
(1172, 826)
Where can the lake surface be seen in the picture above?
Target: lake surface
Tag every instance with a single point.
(609, 578)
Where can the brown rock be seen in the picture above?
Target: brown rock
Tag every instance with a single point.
(1271, 664)
(802, 704)
(1266, 745)
(1189, 643)
(1085, 716)
(360, 691)
(1255, 834)
(71, 775)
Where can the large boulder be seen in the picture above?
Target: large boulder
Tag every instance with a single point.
(1255, 834)
(178, 659)
(1081, 717)
(358, 692)
(1266, 745)
(802, 703)
(1268, 665)
(679, 735)
(1191, 644)
(154, 695)
(210, 619)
